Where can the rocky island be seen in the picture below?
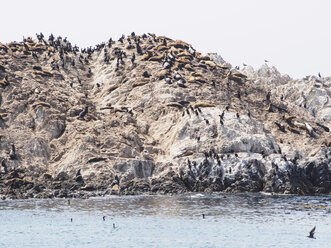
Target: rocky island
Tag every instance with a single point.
(149, 114)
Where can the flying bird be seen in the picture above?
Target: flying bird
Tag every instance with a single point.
(311, 233)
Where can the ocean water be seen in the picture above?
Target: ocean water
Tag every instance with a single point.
(231, 220)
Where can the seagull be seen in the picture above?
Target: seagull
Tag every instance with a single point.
(311, 233)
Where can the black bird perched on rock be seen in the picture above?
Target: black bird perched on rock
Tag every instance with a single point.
(238, 94)
(79, 178)
(319, 75)
(3, 164)
(189, 164)
(133, 58)
(280, 126)
(311, 233)
(104, 218)
(238, 116)
(83, 113)
(146, 74)
(12, 154)
(268, 96)
(188, 112)
(117, 180)
(222, 115)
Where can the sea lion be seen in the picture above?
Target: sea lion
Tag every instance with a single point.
(211, 64)
(147, 55)
(326, 129)
(162, 73)
(157, 58)
(309, 129)
(4, 82)
(288, 118)
(112, 88)
(293, 130)
(188, 67)
(175, 104)
(139, 83)
(3, 115)
(44, 104)
(299, 125)
(203, 105)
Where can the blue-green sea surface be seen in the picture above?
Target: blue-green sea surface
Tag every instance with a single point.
(231, 220)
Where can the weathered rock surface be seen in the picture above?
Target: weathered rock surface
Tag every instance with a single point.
(161, 118)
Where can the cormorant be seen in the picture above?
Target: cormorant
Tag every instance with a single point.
(83, 113)
(311, 233)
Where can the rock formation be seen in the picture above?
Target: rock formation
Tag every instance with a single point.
(151, 114)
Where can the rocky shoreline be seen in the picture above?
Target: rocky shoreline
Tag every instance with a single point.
(309, 181)
(148, 114)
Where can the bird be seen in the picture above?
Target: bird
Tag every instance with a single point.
(311, 233)
(319, 75)
(266, 61)
(188, 112)
(104, 218)
(12, 153)
(168, 80)
(71, 219)
(114, 225)
(203, 216)
(146, 74)
(83, 113)
(177, 76)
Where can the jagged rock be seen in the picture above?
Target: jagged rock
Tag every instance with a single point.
(170, 120)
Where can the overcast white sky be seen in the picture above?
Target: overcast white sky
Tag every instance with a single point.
(294, 35)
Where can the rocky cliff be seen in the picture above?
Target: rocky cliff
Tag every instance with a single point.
(151, 114)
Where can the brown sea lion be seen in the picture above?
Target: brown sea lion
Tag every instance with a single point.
(139, 83)
(203, 105)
